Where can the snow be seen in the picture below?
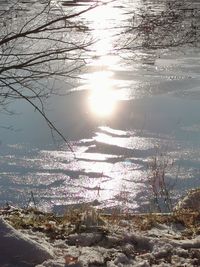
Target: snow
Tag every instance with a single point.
(16, 248)
(92, 245)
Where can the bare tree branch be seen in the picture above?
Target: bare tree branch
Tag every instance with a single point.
(170, 24)
(36, 47)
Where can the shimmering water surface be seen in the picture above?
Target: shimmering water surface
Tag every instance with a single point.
(125, 109)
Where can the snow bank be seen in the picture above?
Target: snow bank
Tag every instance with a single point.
(94, 242)
(18, 250)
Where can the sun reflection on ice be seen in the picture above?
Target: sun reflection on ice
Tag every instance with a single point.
(102, 103)
(103, 98)
(102, 81)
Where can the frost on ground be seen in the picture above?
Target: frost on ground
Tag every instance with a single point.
(90, 240)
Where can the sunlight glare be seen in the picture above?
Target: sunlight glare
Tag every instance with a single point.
(102, 102)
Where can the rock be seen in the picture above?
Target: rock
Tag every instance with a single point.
(84, 239)
(191, 201)
(121, 258)
(18, 249)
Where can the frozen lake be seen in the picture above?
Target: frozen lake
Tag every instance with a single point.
(127, 108)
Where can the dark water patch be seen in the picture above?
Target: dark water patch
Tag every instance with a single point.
(72, 4)
(78, 2)
(5, 181)
(89, 188)
(116, 134)
(107, 160)
(75, 174)
(121, 151)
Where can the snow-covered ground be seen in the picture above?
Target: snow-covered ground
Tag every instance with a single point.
(86, 239)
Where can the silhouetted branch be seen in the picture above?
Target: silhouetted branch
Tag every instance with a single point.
(169, 24)
(38, 44)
